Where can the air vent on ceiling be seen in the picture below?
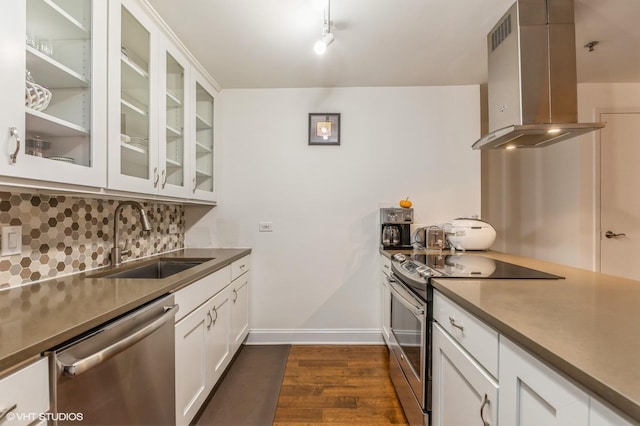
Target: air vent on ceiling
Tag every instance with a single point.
(502, 32)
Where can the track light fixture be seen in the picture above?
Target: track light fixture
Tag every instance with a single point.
(321, 45)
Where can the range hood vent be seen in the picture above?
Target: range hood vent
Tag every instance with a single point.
(532, 77)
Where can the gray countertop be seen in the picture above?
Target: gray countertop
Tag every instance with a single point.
(36, 317)
(586, 326)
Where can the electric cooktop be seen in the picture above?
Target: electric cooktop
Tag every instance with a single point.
(460, 265)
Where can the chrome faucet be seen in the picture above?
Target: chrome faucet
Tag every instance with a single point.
(116, 251)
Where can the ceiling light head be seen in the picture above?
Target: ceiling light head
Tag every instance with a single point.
(320, 46)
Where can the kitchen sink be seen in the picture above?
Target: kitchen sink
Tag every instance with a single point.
(159, 269)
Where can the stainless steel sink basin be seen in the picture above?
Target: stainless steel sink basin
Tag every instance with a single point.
(162, 268)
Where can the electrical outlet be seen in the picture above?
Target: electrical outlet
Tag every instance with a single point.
(173, 228)
(265, 226)
(11, 240)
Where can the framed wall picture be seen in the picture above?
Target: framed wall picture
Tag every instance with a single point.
(324, 128)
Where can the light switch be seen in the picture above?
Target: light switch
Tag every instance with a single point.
(11, 240)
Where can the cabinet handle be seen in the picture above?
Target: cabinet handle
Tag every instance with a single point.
(13, 131)
(235, 295)
(215, 311)
(210, 319)
(156, 177)
(6, 411)
(453, 323)
(164, 178)
(485, 402)
(385, 266)
(194, 185)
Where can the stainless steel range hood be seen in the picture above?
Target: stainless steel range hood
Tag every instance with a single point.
(532, 77)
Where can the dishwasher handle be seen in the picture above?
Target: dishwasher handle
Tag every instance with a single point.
(83, 365)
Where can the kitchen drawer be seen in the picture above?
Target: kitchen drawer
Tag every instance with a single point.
(480, 340)
(194, 295)
(28, 390)
(385, 264)
(239, 267)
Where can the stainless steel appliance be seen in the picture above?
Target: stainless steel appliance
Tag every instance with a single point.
(395, 228)
(532, 90)
(412, 317)
(120, 373)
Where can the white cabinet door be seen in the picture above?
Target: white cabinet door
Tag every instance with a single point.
(25, 393)
(202, 146)
(240, 310)
(532, 394)
(173, 133)
(192, 359)
(601, 415)
(133, 99)
(386, 307)
(58, 112)
(219, 339)
(463, 392)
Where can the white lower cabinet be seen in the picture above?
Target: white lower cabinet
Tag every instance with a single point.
(530, 393)
(386, 297)
(211, 325)
(24, 394)
(239, 310)
(463, 392)
(192, 359)
(533, 394)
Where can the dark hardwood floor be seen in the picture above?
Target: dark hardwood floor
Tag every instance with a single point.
(338, 385)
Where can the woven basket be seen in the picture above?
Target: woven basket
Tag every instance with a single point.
(36, 96)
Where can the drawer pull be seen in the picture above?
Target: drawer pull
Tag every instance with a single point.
(235, 295)
(485, 402)
(6, 411)
(453, 323)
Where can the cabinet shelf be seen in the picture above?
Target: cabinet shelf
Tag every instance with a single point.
(46, 125)
(173, 133)
(202, 123)
(202, 149)
(132, 66)
(133, 107)
(173, 101)
(46, 17)
(134, 155)
(51, 73)
(172, 164)
(203, 174)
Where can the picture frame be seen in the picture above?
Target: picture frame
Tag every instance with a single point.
(324, 128)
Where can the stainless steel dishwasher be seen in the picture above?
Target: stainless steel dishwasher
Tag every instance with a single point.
(122, 373)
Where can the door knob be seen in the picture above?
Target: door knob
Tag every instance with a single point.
(610, 234)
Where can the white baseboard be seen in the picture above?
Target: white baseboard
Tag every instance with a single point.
(315, 337)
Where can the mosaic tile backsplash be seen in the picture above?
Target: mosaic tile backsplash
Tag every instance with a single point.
(62, 235)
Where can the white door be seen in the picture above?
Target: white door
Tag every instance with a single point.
(240, 310)
(619, 203)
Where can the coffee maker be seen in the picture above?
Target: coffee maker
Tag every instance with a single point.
(395, 228)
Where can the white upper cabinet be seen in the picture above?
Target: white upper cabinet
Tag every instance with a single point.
(174, 132)
(133, 99)
(202, 139)
(53, 114)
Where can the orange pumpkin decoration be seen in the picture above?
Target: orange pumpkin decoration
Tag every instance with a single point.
(406, 203)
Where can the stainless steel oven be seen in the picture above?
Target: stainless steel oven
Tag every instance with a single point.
(412, 317)
(410, 343)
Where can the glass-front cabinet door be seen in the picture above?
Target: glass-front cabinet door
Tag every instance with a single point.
(133, 149)
(53, 114)
(203, 176)
(173, 158)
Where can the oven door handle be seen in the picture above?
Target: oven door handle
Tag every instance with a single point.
(404, 298)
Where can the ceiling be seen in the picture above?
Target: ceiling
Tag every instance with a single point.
(269, 43)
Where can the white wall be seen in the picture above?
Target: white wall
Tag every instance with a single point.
(542, 202)
(316, 275)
